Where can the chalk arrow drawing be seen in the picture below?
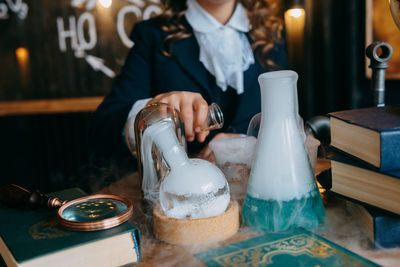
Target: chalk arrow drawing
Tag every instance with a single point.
(90, 4)
(98, 65)
(3, 11)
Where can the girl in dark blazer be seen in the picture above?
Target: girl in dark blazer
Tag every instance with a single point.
(171, 62)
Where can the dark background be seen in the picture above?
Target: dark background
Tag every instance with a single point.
(50, 152)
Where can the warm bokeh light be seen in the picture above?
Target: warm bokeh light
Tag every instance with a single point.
(295, 12)
(295, 19)
(105, 3)
(22, 55)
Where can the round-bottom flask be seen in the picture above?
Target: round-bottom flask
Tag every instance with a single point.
(193, 188)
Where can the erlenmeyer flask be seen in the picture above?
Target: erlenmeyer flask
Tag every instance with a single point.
(282, 192)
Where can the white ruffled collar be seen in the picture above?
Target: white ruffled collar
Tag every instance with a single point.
(225, 50)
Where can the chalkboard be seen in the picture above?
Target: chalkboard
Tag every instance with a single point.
(72, 48)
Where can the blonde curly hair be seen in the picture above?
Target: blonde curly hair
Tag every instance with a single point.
(263, 15)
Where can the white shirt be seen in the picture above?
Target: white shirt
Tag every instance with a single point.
(224, 49)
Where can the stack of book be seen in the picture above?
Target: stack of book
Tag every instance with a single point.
(365, 168)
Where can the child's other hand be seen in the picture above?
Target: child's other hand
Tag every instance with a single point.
(192, 109)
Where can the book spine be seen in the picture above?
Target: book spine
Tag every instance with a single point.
(136, 240)
(367, 205)
(387, 231)
(390, 146)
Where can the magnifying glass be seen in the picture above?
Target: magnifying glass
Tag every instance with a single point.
(89, 213)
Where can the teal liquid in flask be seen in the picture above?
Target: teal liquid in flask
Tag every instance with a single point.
(282, 192)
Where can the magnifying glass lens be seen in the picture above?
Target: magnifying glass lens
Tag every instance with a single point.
(93, 210)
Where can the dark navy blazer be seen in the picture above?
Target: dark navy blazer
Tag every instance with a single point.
(147, 73)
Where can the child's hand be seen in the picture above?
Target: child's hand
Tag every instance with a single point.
(192, 110)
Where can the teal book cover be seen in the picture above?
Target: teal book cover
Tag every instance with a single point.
(29, 234)
(296, 247)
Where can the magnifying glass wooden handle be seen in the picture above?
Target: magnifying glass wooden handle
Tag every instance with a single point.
(15, 195)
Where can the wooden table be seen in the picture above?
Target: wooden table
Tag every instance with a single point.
(339, 226)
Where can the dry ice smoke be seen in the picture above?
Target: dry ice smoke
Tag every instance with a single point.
(339, 226)
(344, 228)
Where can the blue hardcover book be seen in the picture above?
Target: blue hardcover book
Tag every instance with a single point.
(371, 135)
(34, 238)
(292, 248)
(383, 230)
(350, 179)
